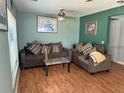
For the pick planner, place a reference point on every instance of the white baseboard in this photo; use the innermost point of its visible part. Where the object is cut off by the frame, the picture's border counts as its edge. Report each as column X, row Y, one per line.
column 17, row 81
column 119, row 62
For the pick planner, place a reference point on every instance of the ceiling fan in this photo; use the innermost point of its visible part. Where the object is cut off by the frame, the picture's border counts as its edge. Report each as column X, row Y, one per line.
column 64, row 13
column 120, row 1
column 61, row 14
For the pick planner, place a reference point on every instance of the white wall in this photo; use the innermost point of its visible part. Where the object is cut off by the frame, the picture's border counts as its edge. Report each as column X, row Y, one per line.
column 118, row 28
column 114, row 38
column 5, row 68
column 121, row 42
column 5, row 71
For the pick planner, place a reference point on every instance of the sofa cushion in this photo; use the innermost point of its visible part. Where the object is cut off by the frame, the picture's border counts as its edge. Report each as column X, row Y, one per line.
column 31, row 46
column 27, row 51
column 35, row 48
column 33, row 57
column 44, row 48
column 88, row 48
column 83, row 59
column 100, row 48
column 56, row 55
column 79, row 47
column 56, row 47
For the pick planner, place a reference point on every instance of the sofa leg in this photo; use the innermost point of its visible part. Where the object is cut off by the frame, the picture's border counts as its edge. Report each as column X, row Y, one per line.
column 46, row 71
column 92, row 73
column 43, row 68
column 68, row 67
column 63, row 65
column 22, row 67
column 107, row 70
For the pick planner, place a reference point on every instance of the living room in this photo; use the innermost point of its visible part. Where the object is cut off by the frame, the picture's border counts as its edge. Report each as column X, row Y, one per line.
column 36, row 58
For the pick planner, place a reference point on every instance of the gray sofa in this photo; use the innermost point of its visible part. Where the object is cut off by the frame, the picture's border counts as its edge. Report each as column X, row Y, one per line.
column 27, row 59
column 87, row 63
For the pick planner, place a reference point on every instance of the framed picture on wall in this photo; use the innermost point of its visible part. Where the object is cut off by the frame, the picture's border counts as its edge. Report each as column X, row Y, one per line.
column 47, row 24
column 91, row 28
column 3, row 15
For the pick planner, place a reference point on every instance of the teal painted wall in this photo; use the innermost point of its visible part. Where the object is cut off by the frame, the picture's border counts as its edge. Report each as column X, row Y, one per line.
column 68, row 31
column 102, row 19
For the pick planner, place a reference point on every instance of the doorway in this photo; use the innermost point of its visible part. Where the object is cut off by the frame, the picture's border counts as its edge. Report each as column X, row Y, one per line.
column 116, row 38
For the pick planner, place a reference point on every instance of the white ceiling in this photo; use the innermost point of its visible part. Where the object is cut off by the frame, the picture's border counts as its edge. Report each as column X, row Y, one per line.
column 77, row 7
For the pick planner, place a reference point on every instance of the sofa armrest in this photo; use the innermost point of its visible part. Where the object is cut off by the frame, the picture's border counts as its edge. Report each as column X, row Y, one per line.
column 22, row 57
column 75, row 53
column 108, row 60
column 45, row 55
column 105, row 65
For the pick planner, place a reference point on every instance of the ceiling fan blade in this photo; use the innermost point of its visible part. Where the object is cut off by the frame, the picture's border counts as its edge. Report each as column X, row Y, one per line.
column 71, row 13
column 52, row 15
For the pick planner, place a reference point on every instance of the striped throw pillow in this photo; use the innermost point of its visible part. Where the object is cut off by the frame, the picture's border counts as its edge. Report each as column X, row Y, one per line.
column 32, row 46
column 35, row 48
column 56, row 47
column 88, row 48
column 45, row 47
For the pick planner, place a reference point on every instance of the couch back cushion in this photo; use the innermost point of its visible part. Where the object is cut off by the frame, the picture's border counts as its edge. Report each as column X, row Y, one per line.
column 27, row 51
column 88, row 48
column 79, row 47
column 56, row 47
column 44, row 48
column 35, row 48
column 100, row 48
column 56, row 55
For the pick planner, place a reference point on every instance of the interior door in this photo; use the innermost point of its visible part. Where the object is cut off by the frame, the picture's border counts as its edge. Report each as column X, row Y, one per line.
column 114, row 38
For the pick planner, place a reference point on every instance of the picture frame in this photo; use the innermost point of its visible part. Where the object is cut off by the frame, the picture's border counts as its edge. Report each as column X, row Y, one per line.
column 3, row 15
column 47, row 24
column 91, row 28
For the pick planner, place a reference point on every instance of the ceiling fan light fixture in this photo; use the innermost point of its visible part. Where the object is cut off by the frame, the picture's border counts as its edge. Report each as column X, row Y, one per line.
column 120, row 1
column 34, row 0
column 89, row 0
column 61, row 15
column 60, row 18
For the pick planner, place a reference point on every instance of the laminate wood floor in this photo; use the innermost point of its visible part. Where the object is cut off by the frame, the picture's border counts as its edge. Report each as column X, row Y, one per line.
column 78, row 81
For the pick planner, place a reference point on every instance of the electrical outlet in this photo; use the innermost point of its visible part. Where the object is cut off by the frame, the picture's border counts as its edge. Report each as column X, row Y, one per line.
column 102, row 42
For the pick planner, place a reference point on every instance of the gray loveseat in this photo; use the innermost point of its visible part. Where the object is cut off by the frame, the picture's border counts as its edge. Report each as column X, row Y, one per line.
column 28, row 59
column 87, row 63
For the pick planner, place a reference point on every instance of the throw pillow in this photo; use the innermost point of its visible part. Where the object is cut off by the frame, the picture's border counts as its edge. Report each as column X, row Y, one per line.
column 56, row 47
column 32, row 46
column 35, row 48
column 88, row 48
column 44, row 48
column 27, row 51
column 79, row 47
column 100, row 48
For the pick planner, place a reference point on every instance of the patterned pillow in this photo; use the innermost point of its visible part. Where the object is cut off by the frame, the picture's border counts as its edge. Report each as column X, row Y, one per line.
column 35, row 48
column 100, row 48
column 44, row 48
column 79, row 47
column 56, row 47
column 32, row 46
column 88, row 48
